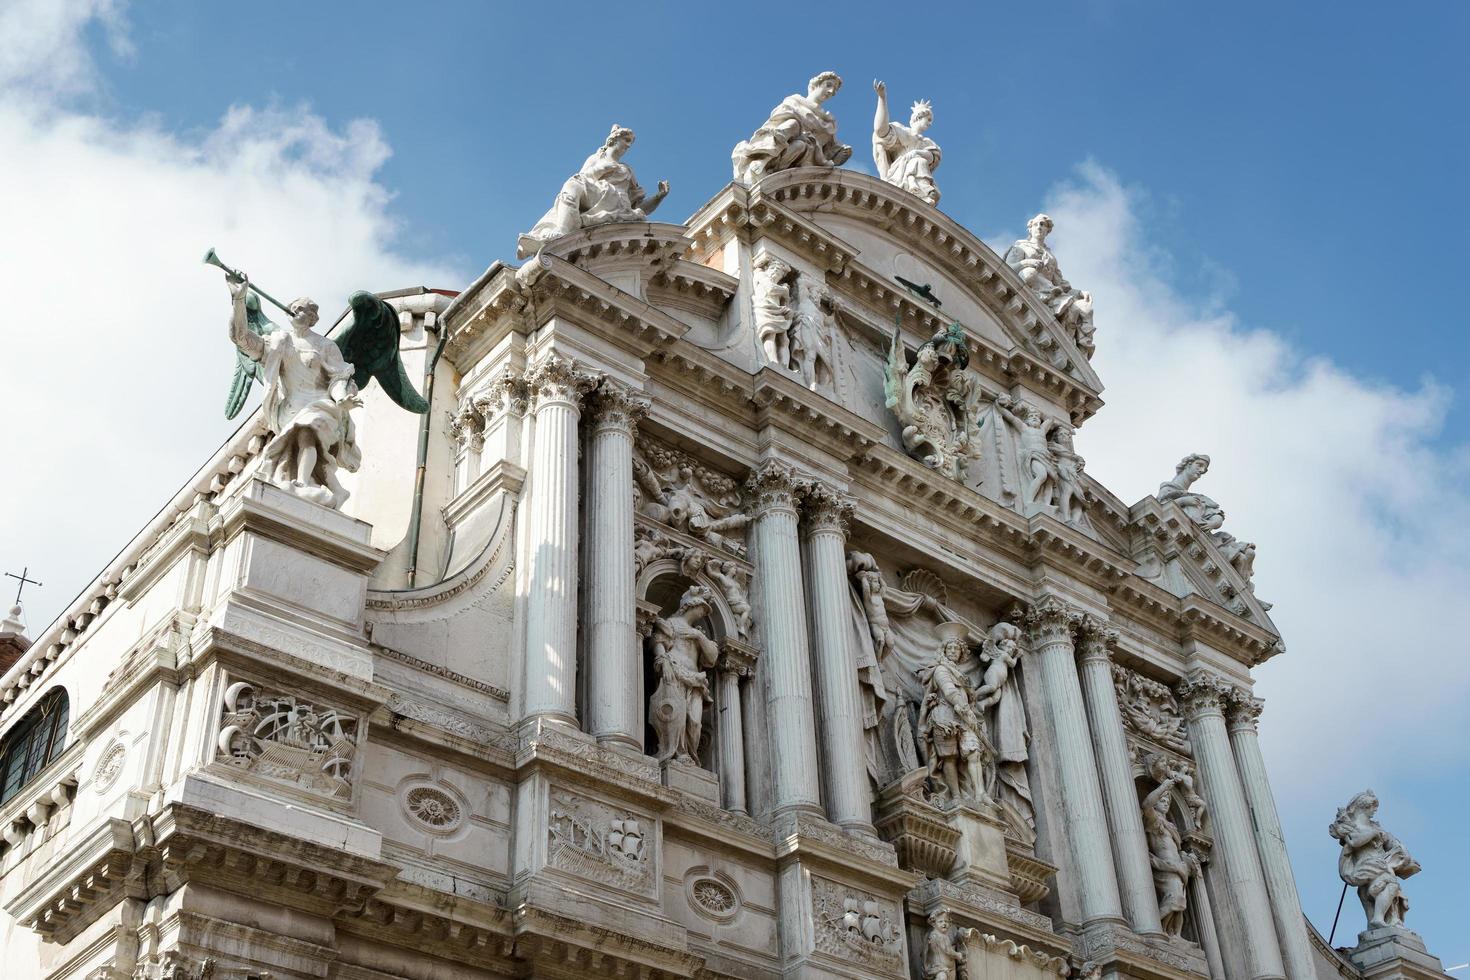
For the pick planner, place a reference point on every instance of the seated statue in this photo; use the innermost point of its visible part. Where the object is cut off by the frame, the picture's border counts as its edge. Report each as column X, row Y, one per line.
column 1196, row 506
column 602, row 192
column 905, row 157
column 1373, row 861
column 1037, row 267
column 799, row 133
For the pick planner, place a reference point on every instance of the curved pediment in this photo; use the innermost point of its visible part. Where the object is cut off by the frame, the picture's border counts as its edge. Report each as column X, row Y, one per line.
column 892, row 232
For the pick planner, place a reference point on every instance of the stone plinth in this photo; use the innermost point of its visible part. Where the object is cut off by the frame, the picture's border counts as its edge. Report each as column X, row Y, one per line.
column 690, row 779
column 1393, row 952
column 926, row 842
column 982, row 846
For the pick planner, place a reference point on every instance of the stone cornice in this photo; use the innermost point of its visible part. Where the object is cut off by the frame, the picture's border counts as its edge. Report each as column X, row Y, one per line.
column 745, row 214
column 694, row 287
column 781, row 402
column 646, row 243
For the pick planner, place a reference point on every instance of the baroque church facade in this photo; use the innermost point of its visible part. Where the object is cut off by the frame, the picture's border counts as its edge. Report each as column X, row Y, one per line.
column 739, row 608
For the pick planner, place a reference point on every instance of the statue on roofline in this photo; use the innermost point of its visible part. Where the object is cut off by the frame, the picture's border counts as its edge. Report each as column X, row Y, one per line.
column 1373, row 861
column 312, row 383
column 1038, row 269
column 798, row 133
column 904, row 156
column 602, row 192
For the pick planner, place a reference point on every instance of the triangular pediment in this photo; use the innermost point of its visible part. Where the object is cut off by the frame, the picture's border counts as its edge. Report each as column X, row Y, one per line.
column 1186, row 561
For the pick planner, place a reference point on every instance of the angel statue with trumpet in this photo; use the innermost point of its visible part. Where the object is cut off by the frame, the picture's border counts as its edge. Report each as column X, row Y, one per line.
column 312, row 383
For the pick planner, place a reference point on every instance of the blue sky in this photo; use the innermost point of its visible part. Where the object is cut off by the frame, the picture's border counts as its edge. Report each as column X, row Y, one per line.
column 1267, row 200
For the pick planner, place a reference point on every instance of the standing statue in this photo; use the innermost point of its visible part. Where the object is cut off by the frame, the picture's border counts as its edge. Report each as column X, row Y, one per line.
column 811, row 333
column 312, row 383
column 960, row 758
column 1038, row 466
column 905, row 157
column 936, row 401
column 602, row 192
column 798, row 133
column 732, row 582
column 772, row 299
column 944, row 952
column 1373, row 861
column 1072, row 496
column 1165, row 849
column 1009, row 734
column 1037, row 267
column 681, row 655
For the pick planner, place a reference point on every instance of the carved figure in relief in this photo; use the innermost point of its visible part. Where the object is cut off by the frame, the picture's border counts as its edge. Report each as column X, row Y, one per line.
column 1009, row 734
column 1373, row 861
column 904, row 156
column 676, row 491
column 936, row 401
column 1165, row 769
column 960, row 757
column 798, row 133
column 771, row 291
column 283, row 737
column 681, row 655
column 1034, row 451
column 602, row 192
column 1240, row 554
column 1038, row 269
column 732, row 582
column 1165, row 847
column 1072, row 496
column 944, row 950
column 811, row 333
column 1149, row 708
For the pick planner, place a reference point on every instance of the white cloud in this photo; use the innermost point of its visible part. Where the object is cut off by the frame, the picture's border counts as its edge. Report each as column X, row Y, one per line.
column 116, row 361
column 45, row 52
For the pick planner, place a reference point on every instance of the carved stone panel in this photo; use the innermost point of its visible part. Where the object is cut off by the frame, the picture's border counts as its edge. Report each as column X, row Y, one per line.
column 601, row 842
column 857, row 926
column 1150, row 709
column 288, row 739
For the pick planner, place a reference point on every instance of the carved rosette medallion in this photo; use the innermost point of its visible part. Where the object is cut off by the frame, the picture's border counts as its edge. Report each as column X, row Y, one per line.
column 109, row 767
column 1243, row 712
column 598, row 841
column 433, row 807
column 560, row 380
column 1203, row 693
column 826, row 510
column 713, row 895
column 287, row 739
column 857, row 926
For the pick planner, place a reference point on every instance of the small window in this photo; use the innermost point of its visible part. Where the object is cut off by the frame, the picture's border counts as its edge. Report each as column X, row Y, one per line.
column 33, row 743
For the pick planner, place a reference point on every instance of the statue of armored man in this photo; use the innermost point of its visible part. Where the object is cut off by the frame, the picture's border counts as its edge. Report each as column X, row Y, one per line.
column 681, row 655
column 957, row 750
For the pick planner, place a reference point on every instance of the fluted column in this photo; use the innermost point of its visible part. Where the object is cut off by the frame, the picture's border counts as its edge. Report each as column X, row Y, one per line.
column 1115, row 771
column 1286, row 907
column 839, row 702
column 1204, row 915
column 614, row 666
column 781, row 623
column 734, row 665
column 1085, row 827
column 550, row 677
column 1253, row 944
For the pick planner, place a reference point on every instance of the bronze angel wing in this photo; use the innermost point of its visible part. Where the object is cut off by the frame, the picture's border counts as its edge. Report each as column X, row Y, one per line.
column 247, row 371
column 370, row 345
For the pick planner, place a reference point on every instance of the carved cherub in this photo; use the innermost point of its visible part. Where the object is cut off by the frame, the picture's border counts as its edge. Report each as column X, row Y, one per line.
column 944, row 953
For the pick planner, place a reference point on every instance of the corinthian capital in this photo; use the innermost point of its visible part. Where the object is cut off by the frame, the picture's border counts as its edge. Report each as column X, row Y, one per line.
column 506, row 392
column 1243, row 710
column 825, row 509
column 773, row 486
column 1051, row 620
column 618, row 407
column 1203, row 693
column 561, row 379
column 1096, row 638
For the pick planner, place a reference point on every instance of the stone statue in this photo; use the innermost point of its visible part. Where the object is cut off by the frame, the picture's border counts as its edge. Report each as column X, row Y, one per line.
column 1240, row 554
column 944, row 950
column 1009, row 734
column 863, row 569
column 312, row 384
column 1037, row 267
column 811, row 333
column 798, row 133
column 732, row 582
column 1072, row 496
column 904, row 156
column 602, row 192
column 773, row 314
column 1163, row 768
column 1034, row 452
column 936, row 401
column 959, row 755
column 681, row 655
column 1373, row 861
column 1196, row 506
column 1165, row 849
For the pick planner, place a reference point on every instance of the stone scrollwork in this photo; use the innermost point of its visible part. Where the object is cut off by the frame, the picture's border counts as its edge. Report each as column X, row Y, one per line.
column 674, row 489
column 857, row 926
column 798, row 133
column 594, row 840
column 1150, row 709
column 936, row 401
column 1037, row 267
column 283, row 737
column 1373, row 861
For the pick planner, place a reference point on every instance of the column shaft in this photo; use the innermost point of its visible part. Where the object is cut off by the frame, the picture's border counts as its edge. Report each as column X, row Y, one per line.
column 1286, row 907
column 1204, row 920
column 781, row 622
column 1236, row 860
column 1085, row 826
column 614, row 668
column 551, row 529
column 732, row 740
column 844, row 763
column 1130, row 845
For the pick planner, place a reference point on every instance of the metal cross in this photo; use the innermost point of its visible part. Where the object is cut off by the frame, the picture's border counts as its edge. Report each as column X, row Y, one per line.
column 24, row 581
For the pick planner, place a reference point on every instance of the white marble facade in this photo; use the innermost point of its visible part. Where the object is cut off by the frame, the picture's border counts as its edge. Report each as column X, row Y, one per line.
column 756, row 619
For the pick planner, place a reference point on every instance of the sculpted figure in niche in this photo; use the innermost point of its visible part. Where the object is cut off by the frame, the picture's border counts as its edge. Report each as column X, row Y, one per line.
column 1037, row 267
column 798, row 133
column 1373, row 861
column 1034, row 452
column 1165, row 769
column 936, row 401
column 1009, row 734
column 681, row 655
column 944, row 951
column 1171, row 868
column 732, row 581
column 904, row 156
column 1071, row 498
column 811, row 333
column 602, row 192
column 773, row 314
column 959, row 755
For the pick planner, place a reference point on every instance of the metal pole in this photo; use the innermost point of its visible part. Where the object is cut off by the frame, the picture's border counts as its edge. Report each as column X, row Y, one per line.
column 1340, row 898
